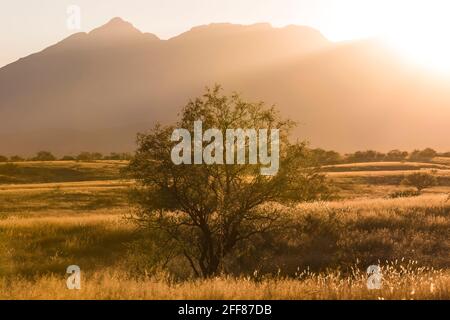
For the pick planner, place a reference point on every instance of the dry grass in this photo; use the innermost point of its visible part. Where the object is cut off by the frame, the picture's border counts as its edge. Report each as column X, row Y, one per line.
column 82, row 185
column 442, row 160
column 387, row 166
column 100, row 217
column 425, row 201
column 46, row 227
column 378, row 180
column 399, row 282
column 59, row 171
column 38, row 248
column 383, row 173
column 72, row 163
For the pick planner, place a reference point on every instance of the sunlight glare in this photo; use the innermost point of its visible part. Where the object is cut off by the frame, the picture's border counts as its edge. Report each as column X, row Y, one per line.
column 420, row 31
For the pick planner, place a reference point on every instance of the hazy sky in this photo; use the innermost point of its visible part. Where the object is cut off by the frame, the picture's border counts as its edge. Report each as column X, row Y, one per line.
column 27, row 26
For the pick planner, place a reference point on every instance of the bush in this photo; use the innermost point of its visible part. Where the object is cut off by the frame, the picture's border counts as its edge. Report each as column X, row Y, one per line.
column 396, row 155
column 420, row 180
column 366, row 156
column 17, row 159
column 423, row 155
column 88, row 156
column 118, row 156
column 44, row 156
column 326, row 157
column 68, row 158
column 404, row 194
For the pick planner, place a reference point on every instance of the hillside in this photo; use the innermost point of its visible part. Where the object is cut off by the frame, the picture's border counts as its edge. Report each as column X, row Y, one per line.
column 93, row 91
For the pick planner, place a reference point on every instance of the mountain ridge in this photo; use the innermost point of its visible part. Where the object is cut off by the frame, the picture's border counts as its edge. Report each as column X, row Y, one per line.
column 119, row 77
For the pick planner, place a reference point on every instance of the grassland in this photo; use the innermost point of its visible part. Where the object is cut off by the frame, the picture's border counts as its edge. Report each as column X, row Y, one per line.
column 48, row 222
column 404, row 284
column 59, row 171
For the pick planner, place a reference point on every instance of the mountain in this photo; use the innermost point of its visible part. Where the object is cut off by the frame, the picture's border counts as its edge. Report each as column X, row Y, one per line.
column 93, row 91
column 359, row 96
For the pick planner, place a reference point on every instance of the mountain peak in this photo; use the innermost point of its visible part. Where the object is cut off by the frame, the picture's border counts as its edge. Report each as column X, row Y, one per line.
column 117, row 20
column 116, row 26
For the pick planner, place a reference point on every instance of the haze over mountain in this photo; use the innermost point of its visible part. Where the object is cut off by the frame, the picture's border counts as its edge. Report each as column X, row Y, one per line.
column 94, row 91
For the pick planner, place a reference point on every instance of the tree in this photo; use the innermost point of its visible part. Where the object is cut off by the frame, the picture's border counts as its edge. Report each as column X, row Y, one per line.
column 16, row 159
column 118, row 156
column 67, row 158
column 420, row 180
column 325, row 157
column 428, row 153
column 96, row 156
column 44, row 156
column 396, row 155
column 366, row 156
column 88, row 156
column 423, row 155
column 84, row 156
column 204, row 211
column 3, row 158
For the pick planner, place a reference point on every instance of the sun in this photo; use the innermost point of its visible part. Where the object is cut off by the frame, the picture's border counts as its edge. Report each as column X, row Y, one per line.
column 429, row 49
column 426, row 46
column 420, row 32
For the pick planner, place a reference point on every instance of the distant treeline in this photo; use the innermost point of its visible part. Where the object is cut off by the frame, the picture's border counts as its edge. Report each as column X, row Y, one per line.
column 329, row 157
column 83, row 156
column 321, row 156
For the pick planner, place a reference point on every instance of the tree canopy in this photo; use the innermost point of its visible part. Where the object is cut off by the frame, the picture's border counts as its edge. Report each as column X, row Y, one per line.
column 202, row 211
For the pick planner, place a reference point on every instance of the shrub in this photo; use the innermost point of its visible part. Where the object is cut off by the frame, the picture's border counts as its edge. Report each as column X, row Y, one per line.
column 396, row 155
column 44, row 156
column 366, row 156
column 17, row 159
column 404, row 194
column 420, row 180
column 423, row 155
column 67, row 158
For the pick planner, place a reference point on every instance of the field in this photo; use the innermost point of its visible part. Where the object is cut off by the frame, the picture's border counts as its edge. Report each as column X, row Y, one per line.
column 54, row 214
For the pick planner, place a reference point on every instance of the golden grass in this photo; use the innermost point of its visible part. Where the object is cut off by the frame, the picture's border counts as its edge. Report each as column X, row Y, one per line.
column 442, row 160
column 381, row 173
column 439, row 164
column 72, row 163
column 82, row 185
column 47, row 226
column 380, row 204
column 59, row 171
column 100, row 217
column 399, row 282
